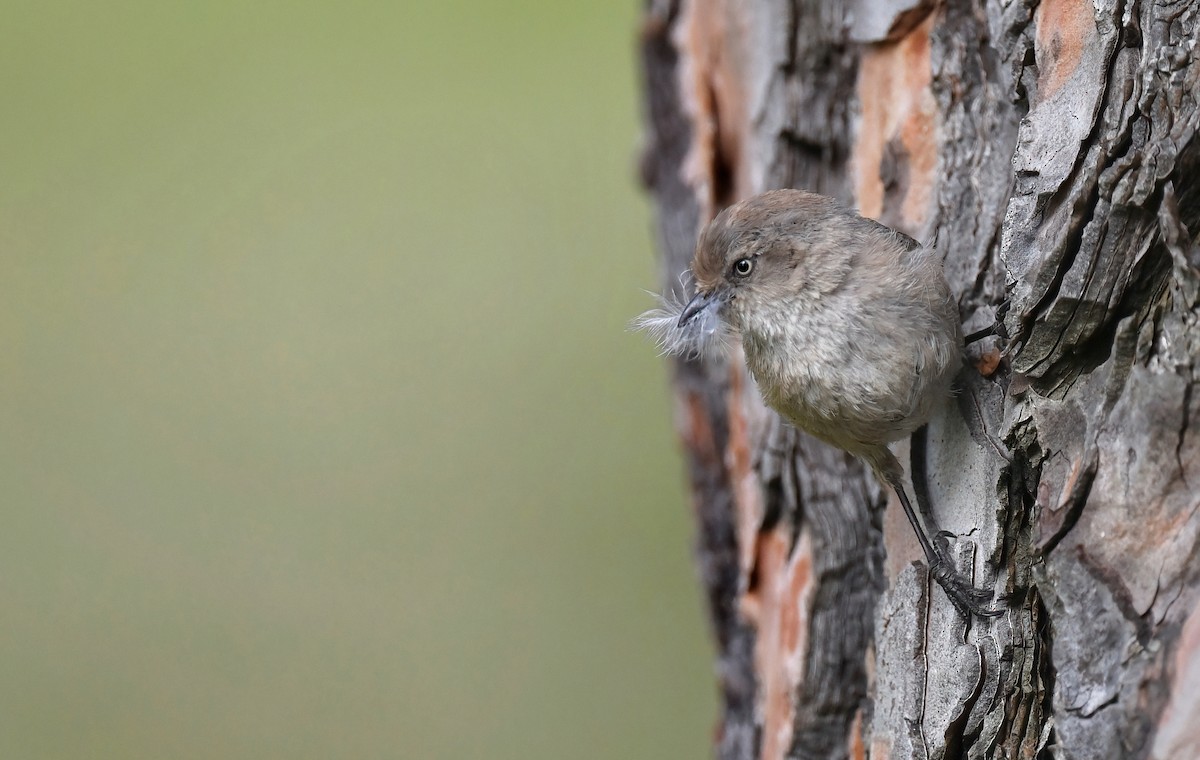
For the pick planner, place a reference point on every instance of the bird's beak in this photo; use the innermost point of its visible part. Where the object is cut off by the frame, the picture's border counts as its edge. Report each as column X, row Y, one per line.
column 699, row 303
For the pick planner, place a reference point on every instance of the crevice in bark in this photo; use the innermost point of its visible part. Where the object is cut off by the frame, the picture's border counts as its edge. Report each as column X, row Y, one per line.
column 722, row 171
column 1041, row 316
column 1040, row 624
column 847, row 584
column 1075, row 502
column 1184, row 429
column 959, row 736
column 792, row 24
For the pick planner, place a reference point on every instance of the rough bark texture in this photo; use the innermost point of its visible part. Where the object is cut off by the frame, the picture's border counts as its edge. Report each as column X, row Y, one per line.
column 1049, row 150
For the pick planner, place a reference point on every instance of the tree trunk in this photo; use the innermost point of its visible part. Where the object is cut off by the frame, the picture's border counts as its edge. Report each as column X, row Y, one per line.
column 1049, row 151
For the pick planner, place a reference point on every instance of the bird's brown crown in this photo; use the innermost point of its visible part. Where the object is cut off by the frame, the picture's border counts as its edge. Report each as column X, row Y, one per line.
column 751, row 228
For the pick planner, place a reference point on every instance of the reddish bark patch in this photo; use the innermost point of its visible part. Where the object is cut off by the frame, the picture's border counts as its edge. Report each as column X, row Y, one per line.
column 881, row 749
column 858, row 750
column 896, row 148
column 1064, row 29
column 739, row 461
column 1178, row 733
column 781, row 602
column 711, row 47
column 696, row 430
column 988, row 362
column 1054, row 510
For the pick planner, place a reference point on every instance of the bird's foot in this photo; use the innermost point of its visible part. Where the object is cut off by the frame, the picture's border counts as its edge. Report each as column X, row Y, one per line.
column 963, row 595
column 997, row 328
column 942, row 539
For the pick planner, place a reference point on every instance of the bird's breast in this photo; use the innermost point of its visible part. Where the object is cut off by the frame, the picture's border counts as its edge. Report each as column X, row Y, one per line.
column 847, row 385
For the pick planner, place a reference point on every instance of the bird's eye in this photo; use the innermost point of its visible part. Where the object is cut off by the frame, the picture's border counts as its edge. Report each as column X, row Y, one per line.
column 743, row 267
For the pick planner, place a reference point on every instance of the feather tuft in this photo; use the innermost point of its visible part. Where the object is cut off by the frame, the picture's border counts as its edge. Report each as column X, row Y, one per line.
column 706, row 335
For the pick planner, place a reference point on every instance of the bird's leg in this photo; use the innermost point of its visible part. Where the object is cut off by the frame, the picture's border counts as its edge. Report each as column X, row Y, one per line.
column 963, row 594
column 996, row 328
column 918, row 469
column 987, row 332
column 965, row 597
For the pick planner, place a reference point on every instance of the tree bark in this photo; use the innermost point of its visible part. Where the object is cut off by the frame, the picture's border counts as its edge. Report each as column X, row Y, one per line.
column 1049, row 151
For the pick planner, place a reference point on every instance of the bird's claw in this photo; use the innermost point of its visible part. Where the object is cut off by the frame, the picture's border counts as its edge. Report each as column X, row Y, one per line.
column 965, row 597
column 942, row 537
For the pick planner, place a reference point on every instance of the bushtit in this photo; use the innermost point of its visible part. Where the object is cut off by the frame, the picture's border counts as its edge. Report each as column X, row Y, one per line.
column 848, row 328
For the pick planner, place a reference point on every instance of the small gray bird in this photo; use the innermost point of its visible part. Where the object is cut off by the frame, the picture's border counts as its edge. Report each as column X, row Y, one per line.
column 848, row 328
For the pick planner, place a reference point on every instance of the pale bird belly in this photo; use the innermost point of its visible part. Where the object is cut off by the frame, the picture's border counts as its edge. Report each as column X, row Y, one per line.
column 855, row 415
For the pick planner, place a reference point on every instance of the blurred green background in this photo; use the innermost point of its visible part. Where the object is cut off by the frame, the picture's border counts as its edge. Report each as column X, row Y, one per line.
column 321, row 434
